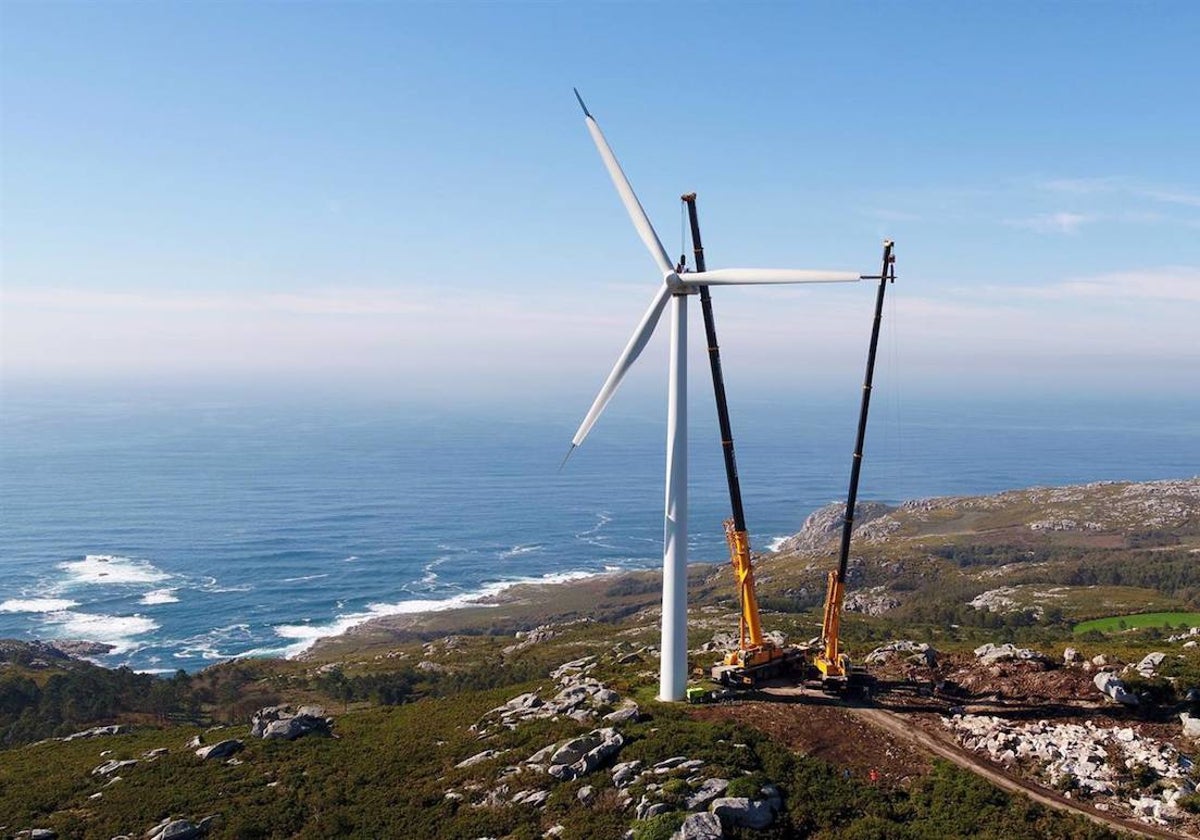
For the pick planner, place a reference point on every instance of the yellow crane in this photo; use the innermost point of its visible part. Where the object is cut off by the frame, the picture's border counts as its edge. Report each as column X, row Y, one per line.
column 756, row 657
column 832, row 664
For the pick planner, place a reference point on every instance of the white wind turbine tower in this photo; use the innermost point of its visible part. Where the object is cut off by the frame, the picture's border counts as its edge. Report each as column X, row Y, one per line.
column 675, row 288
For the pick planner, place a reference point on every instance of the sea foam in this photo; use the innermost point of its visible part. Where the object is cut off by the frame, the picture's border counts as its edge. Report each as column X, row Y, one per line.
column 304, row 636
column 37, row 605
column 111, row 569
column 159, row 596
column 116, row 630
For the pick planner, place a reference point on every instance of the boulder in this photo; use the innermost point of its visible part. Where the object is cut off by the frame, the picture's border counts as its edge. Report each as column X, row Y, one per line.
column 1148, row 667
column 743, row 812
column 95, row 732
column 919, row 653
column 1112, row 687
column 110, row 767
column 179, row 830
column 1071, row 656
column 477, row 758
column 700, row 827
column 221, row 749
column 707, row 792
column 629, row 713
column 624, row 773
column 273, row 722
column 1191, row 725
column 990, row 654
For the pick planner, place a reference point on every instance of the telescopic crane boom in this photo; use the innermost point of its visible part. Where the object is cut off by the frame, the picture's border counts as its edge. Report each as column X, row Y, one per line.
column 831, row 662
column 756, row 656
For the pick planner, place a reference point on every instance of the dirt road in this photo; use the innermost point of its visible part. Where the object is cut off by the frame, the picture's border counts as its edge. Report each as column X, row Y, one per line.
column 898, row 726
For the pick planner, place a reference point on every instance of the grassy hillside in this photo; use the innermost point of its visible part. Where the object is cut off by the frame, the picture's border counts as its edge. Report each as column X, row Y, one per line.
column 410, row 697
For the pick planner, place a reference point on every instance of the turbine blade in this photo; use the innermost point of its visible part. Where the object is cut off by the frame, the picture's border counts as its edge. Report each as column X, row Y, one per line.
column 756, row 276
column 628, row 356
column 634, row 207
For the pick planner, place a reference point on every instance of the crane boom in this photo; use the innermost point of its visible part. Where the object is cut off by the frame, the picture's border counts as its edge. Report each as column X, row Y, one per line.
column 831, row 662
column 754, row 650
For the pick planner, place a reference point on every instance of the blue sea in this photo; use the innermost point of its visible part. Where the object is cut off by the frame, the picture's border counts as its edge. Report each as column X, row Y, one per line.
column 187, row 531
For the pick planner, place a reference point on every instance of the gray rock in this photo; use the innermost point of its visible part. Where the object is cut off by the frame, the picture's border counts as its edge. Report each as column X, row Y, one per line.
column 536, row 798
column 743, row 812
column 586, row 794
column 221, row 749
column 669, row 764
column 36, row 834
column 1112, row 686
column 477, row 758
column 179, row 830
column 1191, row 725
column 710, row 790
column 110, row 767
column 1148, row 667
column 628, row 713
column 700, row 827
column 94, row 732
column 624, row 773
column 279, row 722
column 1071, row 656
column 575, row 749
column 990, row 654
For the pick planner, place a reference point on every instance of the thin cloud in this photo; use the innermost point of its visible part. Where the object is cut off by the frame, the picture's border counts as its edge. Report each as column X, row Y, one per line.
column 1065, row 223
column 1124, row 186
column 1180, row 284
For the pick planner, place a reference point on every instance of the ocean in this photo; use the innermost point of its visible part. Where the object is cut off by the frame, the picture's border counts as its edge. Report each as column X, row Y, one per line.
column 189, row 531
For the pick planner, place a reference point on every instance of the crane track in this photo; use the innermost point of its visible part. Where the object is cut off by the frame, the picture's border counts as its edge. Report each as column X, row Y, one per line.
column 897, row 725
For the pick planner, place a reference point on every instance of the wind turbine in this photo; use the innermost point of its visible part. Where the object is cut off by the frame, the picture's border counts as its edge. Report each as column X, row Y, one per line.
column 675, row 288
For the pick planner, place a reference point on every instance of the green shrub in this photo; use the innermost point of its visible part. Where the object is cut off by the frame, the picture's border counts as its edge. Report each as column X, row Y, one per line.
column 658, row 828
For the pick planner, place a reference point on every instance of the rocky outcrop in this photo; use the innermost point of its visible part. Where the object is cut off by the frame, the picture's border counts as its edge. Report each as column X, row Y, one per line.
column 179, row 829
column 583, row 755
column 95, row 732
column 526, row 640
column 916, row 653
column 825, row 524
column 1094, row 759
column 704, row 826
column 874, row 600
column 1111, row 686
column 580, row 697
column 990, row 654
column 110, row 767
column 1148, row 667
column 279, row 722
column 221, row 749
column 743, row 812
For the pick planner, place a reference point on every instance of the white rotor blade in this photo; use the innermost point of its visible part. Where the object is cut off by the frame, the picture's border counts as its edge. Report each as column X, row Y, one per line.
column 628, row 198
column 632, row 350
column 755, row 276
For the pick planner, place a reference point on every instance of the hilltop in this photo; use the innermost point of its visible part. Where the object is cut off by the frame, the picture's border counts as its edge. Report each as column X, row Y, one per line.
column 534, row 715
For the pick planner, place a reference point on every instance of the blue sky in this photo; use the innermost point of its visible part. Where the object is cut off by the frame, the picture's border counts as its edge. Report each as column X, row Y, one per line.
column 404, row 197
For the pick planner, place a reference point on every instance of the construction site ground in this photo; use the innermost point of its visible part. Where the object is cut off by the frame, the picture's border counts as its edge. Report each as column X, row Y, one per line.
column 895, row 734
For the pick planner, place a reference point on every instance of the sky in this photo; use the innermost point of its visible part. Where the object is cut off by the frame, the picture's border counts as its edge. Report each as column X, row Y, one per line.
column 403, row 198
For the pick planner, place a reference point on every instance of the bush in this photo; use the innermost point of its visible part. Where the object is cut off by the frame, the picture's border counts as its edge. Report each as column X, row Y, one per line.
column 658, row 828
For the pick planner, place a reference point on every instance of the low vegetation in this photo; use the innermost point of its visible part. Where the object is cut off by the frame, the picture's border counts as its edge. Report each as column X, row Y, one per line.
column 405, row 696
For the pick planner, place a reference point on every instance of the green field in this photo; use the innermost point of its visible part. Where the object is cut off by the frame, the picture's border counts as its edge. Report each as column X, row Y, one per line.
column 1114, row 623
